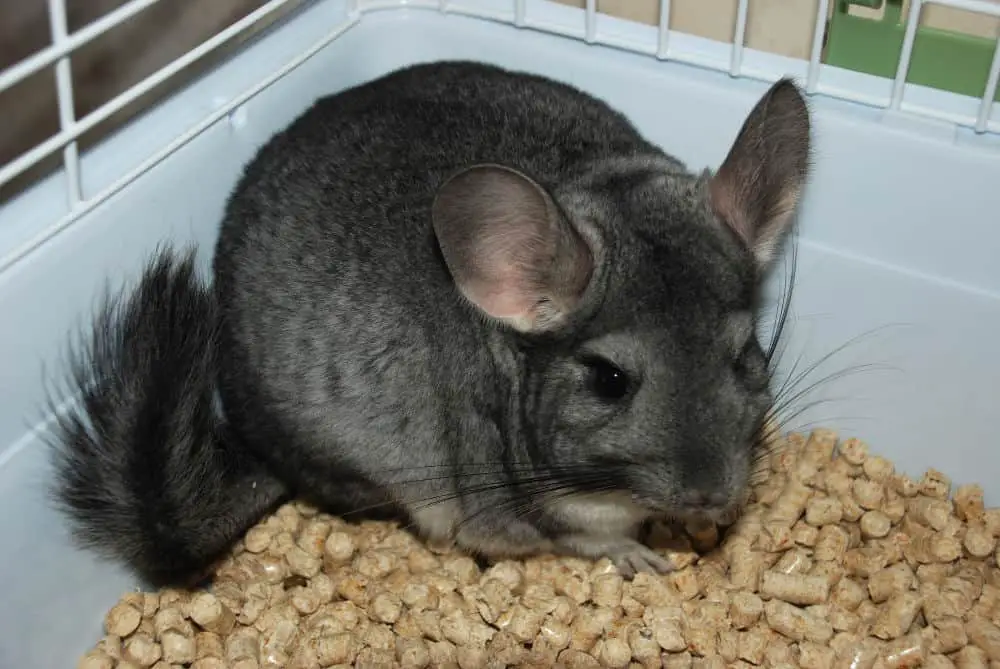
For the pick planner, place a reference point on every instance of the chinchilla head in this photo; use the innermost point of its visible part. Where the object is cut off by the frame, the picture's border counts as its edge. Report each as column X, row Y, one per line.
column 628, row 291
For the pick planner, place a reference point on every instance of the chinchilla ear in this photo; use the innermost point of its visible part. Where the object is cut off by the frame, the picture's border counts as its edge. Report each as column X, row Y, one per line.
column 758, row 186
column 509, row 250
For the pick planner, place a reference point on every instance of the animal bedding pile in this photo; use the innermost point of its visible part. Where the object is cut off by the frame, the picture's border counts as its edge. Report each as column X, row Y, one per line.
column 838, row 561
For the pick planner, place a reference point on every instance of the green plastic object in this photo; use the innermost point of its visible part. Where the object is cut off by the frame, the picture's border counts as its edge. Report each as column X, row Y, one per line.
column 942, row 59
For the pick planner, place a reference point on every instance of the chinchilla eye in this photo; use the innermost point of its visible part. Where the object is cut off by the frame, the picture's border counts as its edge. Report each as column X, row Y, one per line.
column 607, row 381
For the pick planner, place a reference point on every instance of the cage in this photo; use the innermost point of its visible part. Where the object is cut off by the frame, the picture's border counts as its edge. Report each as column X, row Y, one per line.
column 896, row 275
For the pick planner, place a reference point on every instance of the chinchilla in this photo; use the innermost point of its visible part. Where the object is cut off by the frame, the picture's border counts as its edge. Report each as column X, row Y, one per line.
column 474, row 297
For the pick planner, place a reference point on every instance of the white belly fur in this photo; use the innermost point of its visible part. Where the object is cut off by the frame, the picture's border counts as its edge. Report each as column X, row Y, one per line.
column 611, row 513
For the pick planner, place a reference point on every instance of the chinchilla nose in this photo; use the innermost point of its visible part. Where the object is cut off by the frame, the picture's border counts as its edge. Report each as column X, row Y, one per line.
column 704, row 499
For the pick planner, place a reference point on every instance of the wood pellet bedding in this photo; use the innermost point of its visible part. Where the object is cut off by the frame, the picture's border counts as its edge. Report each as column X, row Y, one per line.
column 837, row 561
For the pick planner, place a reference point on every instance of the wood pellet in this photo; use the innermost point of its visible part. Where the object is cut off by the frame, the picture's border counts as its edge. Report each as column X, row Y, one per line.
column 837, row 561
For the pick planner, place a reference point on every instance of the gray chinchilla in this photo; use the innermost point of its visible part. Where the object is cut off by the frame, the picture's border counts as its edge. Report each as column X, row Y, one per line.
column 475, row 297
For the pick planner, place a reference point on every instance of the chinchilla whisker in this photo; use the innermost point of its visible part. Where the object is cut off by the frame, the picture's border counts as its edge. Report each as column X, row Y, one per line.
column 425, row 502
column 758, row 471
column 761, row 450
column 853, row 369
column 824, row 418
column 519, row 505
column 447, row 465
column 773, row 370
column 766, row 445
column 536, row 495
column 780, row 349
column 776, row 337
column 467, row 491
column 507, row 504
column 758, row 476
column 499, row 470
column 785, row 301
column 762, row 462
column 766, row 430
column 535, row 485
column 765, row 437
column 512, row 503
column 510, row 468
column 599, row 483
column 827, row 421
column 451, row 465
column 787, row 425
column 531, row 504
column 792, row 379
column 785, row 411
column 789, row 413
column 792, row 375
column 794, row 394
column 784, row 420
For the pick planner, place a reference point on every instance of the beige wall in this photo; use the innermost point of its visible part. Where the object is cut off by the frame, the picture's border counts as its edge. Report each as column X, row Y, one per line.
column 778, row 26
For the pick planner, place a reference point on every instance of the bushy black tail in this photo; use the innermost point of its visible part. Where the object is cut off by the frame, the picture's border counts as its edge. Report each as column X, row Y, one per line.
column 145, row 471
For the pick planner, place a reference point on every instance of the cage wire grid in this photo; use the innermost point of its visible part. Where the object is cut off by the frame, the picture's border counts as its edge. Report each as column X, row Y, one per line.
column 517, row 13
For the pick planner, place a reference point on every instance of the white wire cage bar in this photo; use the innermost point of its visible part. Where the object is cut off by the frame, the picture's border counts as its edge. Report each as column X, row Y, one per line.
column 909, row 40
column 16, row 73
column 816, row 48
column 519, row 13
column 739, row 38
column 663, row 34
column 64, row 98
column 990, row 94
column 980, row 122
column 77, row 128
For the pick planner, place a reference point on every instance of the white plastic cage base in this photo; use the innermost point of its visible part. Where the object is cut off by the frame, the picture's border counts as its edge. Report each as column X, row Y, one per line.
column 898, row 241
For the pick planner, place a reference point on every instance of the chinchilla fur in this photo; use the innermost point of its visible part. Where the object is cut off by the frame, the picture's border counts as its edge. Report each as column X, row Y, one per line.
column 473, row 297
